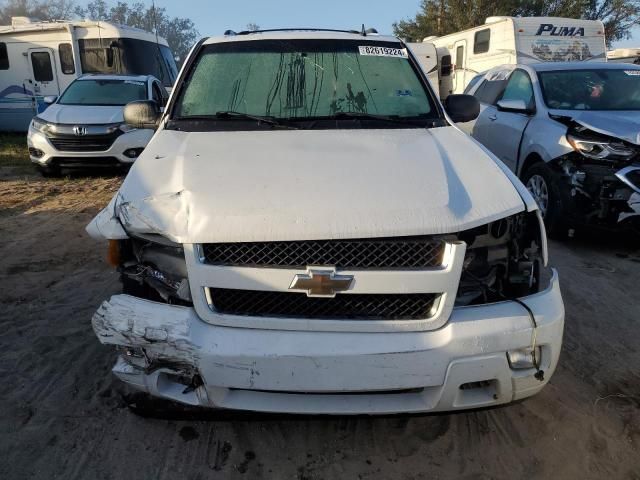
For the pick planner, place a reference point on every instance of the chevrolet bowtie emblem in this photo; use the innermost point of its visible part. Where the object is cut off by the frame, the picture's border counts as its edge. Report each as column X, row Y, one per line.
column 321, row 283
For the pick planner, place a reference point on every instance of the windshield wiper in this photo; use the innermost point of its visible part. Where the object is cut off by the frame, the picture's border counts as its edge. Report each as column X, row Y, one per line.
column 414, row 121
column 246, row 116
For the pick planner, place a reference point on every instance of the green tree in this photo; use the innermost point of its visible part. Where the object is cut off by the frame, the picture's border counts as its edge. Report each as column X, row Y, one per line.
column 441, row 17
column 40, row 9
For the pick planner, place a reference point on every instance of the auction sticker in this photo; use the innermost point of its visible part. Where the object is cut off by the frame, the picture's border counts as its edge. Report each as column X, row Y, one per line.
column 383, row 51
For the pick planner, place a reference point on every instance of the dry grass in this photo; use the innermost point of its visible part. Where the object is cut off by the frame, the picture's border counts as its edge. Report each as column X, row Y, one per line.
column 13, row 151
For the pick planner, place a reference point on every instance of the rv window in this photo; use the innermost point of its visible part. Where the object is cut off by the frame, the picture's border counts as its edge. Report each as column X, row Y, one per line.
column 445, row 69
column 66, row 59
column 481, row 41
column 42, row 71
column 4, row 57
column 459, row 57
column 127, row 56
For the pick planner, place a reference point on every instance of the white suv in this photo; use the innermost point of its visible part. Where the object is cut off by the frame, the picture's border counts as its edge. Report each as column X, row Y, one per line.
column 307, row 232
column 85, row 126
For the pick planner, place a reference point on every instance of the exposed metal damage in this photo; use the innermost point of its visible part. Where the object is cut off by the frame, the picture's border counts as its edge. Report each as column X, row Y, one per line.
column 602, row 177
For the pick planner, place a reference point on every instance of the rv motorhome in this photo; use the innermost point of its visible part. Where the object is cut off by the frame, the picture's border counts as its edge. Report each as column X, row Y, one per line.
column 517, row 40
column 624, row 55
column 40, row 59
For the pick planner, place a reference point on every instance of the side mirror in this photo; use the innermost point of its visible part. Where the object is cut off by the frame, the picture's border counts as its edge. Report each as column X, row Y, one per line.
column 142, row 114
column 462, row 108
column 50, row 99
column 514, row 106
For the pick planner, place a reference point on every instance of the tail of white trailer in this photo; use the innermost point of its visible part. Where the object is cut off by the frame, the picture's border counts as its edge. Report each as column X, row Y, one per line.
column 552, row 39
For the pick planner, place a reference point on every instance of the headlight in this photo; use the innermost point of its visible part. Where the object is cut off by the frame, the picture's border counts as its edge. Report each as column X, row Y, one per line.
column 154, row 268
column 599, row 149
column 40, row 125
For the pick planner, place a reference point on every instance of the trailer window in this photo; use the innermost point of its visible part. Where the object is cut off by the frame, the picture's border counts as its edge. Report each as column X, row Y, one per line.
column 66, row 59
column 4, row 57
column 459, row 57
column 481, row 41
column 445, row 69
column 42, row 71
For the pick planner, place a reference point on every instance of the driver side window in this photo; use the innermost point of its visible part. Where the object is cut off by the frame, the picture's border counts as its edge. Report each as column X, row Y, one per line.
column 519, row 87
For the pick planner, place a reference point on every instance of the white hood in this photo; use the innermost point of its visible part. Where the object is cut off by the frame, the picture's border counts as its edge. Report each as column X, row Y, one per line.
column 309, row 184
column 83, row 114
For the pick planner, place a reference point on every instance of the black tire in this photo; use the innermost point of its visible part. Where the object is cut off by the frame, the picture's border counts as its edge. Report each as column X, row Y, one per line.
column 48, row 172
column 553, row 212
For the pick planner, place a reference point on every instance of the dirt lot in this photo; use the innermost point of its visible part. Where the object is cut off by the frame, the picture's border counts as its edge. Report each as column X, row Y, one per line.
column 61, row 414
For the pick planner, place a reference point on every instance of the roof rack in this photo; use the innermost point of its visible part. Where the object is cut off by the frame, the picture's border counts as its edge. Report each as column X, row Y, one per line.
column 362, row 32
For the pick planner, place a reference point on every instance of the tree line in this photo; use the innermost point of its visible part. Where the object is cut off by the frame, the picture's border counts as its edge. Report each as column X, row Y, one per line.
column 441, row 17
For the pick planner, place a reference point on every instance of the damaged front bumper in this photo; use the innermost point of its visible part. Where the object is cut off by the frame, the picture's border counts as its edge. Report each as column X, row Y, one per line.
column 461, row 365
column 601, row 195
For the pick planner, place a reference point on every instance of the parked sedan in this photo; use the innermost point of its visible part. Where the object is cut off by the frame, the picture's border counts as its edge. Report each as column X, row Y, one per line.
column 570, row 132
column 85, row 126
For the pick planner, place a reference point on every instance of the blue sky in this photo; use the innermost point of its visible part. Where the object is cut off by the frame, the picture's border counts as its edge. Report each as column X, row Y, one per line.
column 213, row 17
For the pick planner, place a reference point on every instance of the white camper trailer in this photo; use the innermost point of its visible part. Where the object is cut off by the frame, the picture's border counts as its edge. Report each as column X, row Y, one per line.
column 436, row 64
column 517, row 40
column 624, row 55
column 40, row 59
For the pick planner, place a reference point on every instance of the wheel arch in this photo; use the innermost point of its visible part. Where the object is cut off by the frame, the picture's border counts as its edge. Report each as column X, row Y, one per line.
column 531, row 160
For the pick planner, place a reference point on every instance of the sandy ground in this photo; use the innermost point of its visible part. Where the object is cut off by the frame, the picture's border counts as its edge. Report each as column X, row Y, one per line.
column 62, row 415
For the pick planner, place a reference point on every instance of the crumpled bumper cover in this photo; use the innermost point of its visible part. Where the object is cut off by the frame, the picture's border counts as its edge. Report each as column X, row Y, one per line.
column 334, row 372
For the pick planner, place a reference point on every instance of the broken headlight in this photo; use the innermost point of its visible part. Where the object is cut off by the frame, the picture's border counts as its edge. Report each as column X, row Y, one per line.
column 597, row 148
column 154, row 268
column 504, row 260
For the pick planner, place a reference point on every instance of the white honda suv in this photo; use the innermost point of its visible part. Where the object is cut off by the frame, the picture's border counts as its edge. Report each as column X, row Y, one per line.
column 308, row 232
column 85, row 126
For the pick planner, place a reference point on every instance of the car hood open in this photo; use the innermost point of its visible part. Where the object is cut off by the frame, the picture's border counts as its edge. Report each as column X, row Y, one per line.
column 308, row 184
column 83, row 114
column 624, row 125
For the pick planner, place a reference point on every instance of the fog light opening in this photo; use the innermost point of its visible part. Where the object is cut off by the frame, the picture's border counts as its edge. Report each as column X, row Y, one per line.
column 135, row 356
column 133, row 152
column 524, row 358
column 36, row 152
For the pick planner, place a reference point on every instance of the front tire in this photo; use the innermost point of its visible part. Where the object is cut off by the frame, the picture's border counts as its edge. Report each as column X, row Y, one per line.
column 542, row 183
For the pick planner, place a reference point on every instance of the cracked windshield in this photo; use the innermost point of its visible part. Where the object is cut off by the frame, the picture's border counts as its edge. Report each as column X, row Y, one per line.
column 305, row 79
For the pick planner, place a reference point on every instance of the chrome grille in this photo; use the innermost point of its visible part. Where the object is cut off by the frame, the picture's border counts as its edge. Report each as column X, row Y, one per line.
column 400, row 252
column 87, row 143
column 411, row 306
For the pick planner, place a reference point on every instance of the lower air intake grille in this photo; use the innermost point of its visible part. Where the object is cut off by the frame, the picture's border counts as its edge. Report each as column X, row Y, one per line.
column 413, row 306
column 400, row 252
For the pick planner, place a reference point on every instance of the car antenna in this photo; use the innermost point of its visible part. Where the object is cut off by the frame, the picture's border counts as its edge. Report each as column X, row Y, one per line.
column 363, row 32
